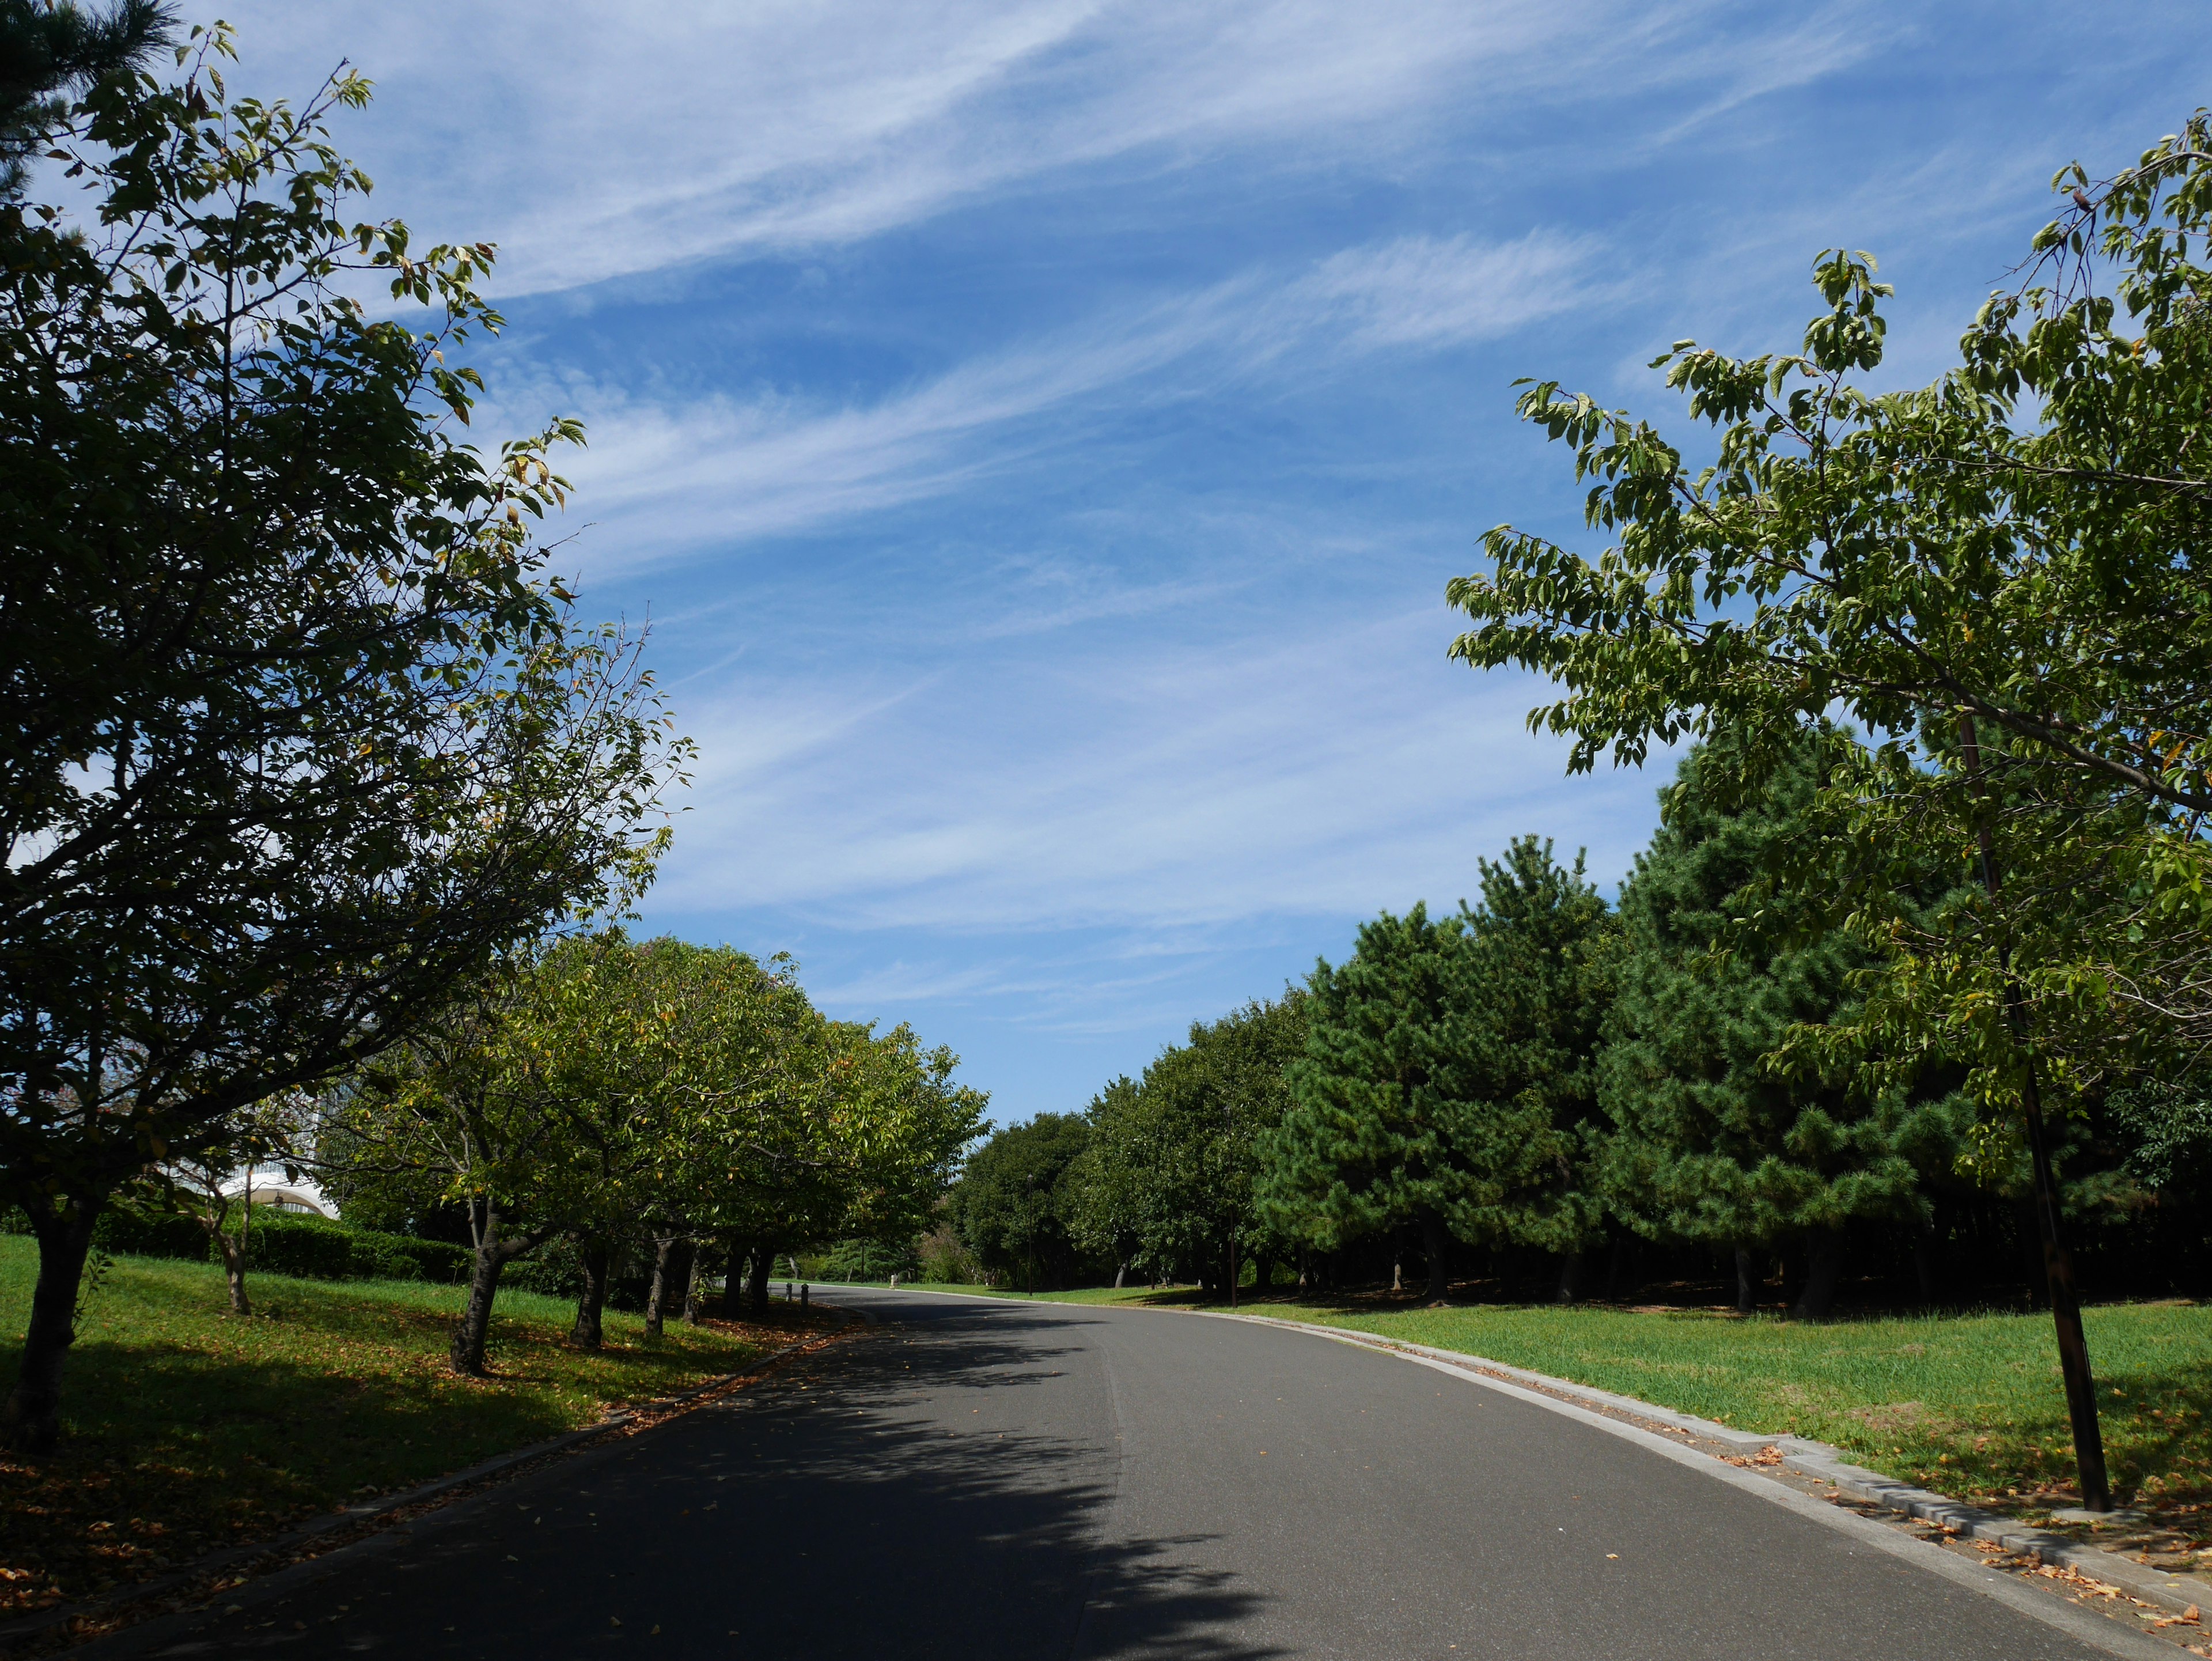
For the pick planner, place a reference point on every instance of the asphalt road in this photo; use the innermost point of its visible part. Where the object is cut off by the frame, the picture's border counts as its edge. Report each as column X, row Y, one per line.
column 987, row 1479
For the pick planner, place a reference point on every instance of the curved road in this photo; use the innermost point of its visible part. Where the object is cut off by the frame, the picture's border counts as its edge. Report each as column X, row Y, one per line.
column 986, row 1479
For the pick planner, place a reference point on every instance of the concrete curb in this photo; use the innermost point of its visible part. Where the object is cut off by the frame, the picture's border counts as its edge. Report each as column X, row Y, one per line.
column 15, row 1634
column 2176, row 1592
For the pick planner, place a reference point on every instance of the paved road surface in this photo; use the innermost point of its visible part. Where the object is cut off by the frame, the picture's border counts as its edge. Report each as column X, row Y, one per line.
column 993, row 1479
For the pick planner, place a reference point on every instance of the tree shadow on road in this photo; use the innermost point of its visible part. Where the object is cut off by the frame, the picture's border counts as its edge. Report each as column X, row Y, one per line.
column 840, row 1509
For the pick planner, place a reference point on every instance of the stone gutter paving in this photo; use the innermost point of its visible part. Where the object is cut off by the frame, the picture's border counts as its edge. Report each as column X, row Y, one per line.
column 2116, row 1577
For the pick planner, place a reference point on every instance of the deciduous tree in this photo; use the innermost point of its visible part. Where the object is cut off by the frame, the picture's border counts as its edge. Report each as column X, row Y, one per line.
column 296, row 734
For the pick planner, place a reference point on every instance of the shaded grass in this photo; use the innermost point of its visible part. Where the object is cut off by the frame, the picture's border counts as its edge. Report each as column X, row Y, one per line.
column 1970, row 1405
column 185, row 1427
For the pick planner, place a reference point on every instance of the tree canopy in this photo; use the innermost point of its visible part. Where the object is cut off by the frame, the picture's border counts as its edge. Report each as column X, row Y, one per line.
column 298, row 733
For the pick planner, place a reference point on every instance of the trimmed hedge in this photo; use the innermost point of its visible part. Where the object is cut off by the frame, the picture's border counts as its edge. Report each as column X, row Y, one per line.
column 286, row 1243
column 150, row 1233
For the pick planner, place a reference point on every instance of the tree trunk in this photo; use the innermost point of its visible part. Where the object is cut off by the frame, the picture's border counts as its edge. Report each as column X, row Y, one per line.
column 493, row 1253
column 669, row 1269
column 466, row 1354
column 1571, row 1276
column 1746, row 1281
column 2057, row 1262
column 695, row 1260
column 1397, row 1269
column 734, row 1283
column 1924, row 1270
column 1434, row 1243
column 763, row 1263
column 233, row 1269
column 32, row 1415
column 1120, row 1273
column 1824, row 1263
column 1616, row 1261
column 589, row 1332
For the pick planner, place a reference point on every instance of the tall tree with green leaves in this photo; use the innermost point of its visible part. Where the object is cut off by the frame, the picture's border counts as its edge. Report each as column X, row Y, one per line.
column 1538, row 985
column 2000, row 578
column 1713, row 1142
column 297, row 731
column 1017, row 1200
column 1370, row 1138
column 1170, row 1175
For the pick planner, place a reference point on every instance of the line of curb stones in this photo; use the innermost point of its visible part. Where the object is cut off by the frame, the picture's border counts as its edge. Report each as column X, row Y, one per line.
column 2174, row 1592
column 17, row 1634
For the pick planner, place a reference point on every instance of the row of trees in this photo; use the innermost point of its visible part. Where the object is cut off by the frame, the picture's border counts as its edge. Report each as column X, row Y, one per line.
column 316, row 795
column 1538, row 1072
column 659, row 1098
column 1848, row 972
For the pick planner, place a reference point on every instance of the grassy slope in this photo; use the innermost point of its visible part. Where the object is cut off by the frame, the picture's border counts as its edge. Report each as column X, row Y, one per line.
column 187, row 1429
column 1970, row 1405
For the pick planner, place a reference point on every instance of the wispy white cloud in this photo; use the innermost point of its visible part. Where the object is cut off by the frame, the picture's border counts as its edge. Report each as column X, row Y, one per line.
column 672, row 476
column 1425, row 291
column 595, row 142
column 1327, row 773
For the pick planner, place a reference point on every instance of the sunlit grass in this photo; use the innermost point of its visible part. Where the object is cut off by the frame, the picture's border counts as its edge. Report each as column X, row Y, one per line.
column 1971, row 1405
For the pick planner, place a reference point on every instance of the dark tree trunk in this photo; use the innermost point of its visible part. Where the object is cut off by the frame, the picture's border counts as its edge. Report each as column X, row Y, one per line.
column 1924, row 1270
column 763, row 1261
column 2058, row 1261
column 672, row 1268
column 1434, row 1243
column 695, row 1260
column 32, row 1415
column 495, row 1252
column 734, row 1283
column 1823, row 1264
column 1616, row 1264
column 1571, row 1276
column 589, row 1332
column 1746, row 1281
column 1263, row 1274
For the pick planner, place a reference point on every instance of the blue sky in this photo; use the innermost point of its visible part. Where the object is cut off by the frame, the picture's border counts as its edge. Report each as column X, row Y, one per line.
column 1040, row 434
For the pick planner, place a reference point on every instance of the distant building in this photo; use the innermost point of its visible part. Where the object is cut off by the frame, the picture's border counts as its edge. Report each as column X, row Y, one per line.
column 267, row 1186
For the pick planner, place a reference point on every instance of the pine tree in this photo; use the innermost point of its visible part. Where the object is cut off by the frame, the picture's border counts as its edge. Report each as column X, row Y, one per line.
column 49, row 48
column 1369, row 1142
column 1709, row 1142
column 1538, row 989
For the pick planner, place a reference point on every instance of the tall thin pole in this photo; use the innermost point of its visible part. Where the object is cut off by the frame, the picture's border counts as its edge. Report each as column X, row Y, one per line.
column 2057, row 1262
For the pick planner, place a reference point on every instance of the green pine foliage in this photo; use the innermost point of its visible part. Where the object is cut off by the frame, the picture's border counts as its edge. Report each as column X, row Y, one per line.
column 1371, row 1141
column 1538, row 986
column 1711, row 1142
column 1448, row 1082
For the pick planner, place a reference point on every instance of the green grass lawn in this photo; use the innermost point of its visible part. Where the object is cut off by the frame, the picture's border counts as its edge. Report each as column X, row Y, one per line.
column 187, row 1428
column 1970, row 1405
